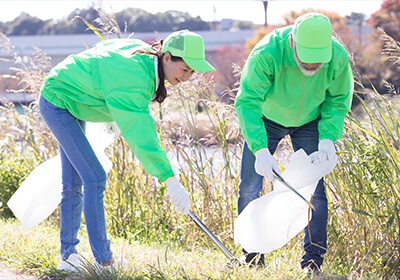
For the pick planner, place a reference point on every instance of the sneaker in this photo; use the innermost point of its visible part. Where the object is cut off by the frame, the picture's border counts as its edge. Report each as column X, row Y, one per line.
column 72, row 264
column 312, row 271
column 101, row 268
column 112, row 267
column 252, row 260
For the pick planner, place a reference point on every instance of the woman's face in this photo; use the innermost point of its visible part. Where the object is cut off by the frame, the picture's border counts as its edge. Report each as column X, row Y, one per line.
column 176, row 71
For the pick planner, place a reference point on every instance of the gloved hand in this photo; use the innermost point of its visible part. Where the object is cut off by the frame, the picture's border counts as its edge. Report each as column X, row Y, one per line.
column 326, row 151
column 179, row 196
column 265, row 163
column 111, row 127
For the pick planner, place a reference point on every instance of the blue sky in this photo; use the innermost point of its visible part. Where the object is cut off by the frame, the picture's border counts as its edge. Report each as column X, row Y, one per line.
column 251, row 10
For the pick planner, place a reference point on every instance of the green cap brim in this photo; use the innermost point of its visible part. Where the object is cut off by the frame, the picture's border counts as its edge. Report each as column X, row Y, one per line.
column 199, row 65
column 314, row 55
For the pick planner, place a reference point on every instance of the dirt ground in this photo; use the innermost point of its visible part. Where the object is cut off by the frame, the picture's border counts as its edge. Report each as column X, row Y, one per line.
column 8, row 274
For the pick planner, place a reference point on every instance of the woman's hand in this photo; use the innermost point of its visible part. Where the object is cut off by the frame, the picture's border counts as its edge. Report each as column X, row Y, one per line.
column 179, row 196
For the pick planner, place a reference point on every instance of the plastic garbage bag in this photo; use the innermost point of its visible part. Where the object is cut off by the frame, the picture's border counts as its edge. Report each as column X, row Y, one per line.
column 269, row 222
column 40, row 193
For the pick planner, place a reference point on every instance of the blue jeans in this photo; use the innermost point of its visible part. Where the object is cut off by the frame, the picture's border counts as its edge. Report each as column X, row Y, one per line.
column 80, row 166
column 250, row 185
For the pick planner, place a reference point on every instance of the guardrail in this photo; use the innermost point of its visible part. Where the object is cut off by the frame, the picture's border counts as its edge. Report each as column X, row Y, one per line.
column 18, row 97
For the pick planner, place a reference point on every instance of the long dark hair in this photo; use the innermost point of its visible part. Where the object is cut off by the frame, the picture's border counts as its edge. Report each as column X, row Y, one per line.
column 161, row 91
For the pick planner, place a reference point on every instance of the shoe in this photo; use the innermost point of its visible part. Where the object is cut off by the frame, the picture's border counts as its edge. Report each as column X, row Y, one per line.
column 312, row 270
column 101, row 268
column 111, row 268
column 252, row 260
column 72, row 264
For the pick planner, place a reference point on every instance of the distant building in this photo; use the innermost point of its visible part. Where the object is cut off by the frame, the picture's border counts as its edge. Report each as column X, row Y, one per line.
column 228, row 24
column 60, row 46
column 361, row 32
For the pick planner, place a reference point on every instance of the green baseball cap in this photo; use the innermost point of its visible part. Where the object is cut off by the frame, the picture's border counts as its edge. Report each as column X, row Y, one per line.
column 312, row 33
column 190, row 47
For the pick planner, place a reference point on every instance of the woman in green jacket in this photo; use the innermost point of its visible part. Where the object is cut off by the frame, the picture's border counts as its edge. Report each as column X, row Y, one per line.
column 114, row 81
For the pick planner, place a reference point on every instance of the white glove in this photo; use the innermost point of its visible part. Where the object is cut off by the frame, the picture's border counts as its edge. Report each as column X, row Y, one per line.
column 326, row 151
column 112, row 128
column 265, row 163
column 179, row 196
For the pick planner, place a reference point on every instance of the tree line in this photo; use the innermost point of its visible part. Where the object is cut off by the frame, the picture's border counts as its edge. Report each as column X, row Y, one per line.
column 129, row 20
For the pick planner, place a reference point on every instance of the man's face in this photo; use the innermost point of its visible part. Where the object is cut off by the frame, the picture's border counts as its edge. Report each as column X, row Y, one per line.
column 308, row 69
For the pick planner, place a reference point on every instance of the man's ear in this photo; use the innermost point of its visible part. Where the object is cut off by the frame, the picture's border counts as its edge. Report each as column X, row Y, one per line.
column 291, row 40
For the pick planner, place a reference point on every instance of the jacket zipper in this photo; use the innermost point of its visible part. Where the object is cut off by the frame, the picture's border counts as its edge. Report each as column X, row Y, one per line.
column 301, row 101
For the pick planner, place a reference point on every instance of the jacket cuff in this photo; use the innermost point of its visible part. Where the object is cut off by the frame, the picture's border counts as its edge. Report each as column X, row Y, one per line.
column 257, row 148
column 330, row 137
column 168, row 178
column 164, row 177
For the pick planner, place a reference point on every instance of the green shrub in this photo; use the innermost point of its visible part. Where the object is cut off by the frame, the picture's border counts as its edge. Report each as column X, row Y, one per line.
column 12, row 172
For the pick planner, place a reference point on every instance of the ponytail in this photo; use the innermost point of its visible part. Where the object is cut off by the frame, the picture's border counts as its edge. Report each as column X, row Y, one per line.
column 161, row 91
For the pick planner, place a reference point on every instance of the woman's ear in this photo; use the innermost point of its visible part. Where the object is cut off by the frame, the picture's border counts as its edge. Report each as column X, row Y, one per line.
column 166, row 57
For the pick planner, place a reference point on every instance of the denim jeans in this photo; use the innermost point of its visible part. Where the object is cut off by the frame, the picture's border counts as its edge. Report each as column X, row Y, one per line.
column 250, row 185
column 80, row 166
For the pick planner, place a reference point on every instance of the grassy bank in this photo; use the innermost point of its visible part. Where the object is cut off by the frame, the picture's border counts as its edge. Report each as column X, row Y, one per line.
column 35, row 252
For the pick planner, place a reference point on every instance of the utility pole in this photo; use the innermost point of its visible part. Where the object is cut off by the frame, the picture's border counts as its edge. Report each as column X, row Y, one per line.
column 265, row 11
column 214, row 18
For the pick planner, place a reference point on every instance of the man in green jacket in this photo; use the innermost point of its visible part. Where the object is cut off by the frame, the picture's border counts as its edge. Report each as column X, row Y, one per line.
column 297, row 81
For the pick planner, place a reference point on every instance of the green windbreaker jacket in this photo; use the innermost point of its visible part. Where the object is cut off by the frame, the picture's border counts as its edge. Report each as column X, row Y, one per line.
column 110, row 83
column 272, row 85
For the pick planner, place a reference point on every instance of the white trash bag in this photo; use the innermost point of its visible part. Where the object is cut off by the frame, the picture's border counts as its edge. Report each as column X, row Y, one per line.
column 269, row 222
column 40, row 193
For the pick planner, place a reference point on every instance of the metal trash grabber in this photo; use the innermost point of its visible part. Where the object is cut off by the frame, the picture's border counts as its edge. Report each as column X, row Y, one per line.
column 280, row 179
column 227, row 253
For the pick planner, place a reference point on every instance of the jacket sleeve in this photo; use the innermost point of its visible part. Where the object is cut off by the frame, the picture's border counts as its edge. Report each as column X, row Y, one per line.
column 256, row 81
column 130, row 111
column 337, row 103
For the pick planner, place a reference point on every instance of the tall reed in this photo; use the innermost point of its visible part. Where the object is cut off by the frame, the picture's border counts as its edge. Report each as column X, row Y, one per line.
column 365, row 192
column 206, row 162
column 203, row 141
column 364, row 226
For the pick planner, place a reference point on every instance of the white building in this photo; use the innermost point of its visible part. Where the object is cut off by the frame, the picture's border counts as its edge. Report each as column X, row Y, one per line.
column 60, row 46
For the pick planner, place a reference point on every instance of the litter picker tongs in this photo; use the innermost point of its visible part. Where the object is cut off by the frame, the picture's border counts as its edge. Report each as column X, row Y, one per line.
column 227, row 253
column 283, row 181
column 232, row 260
